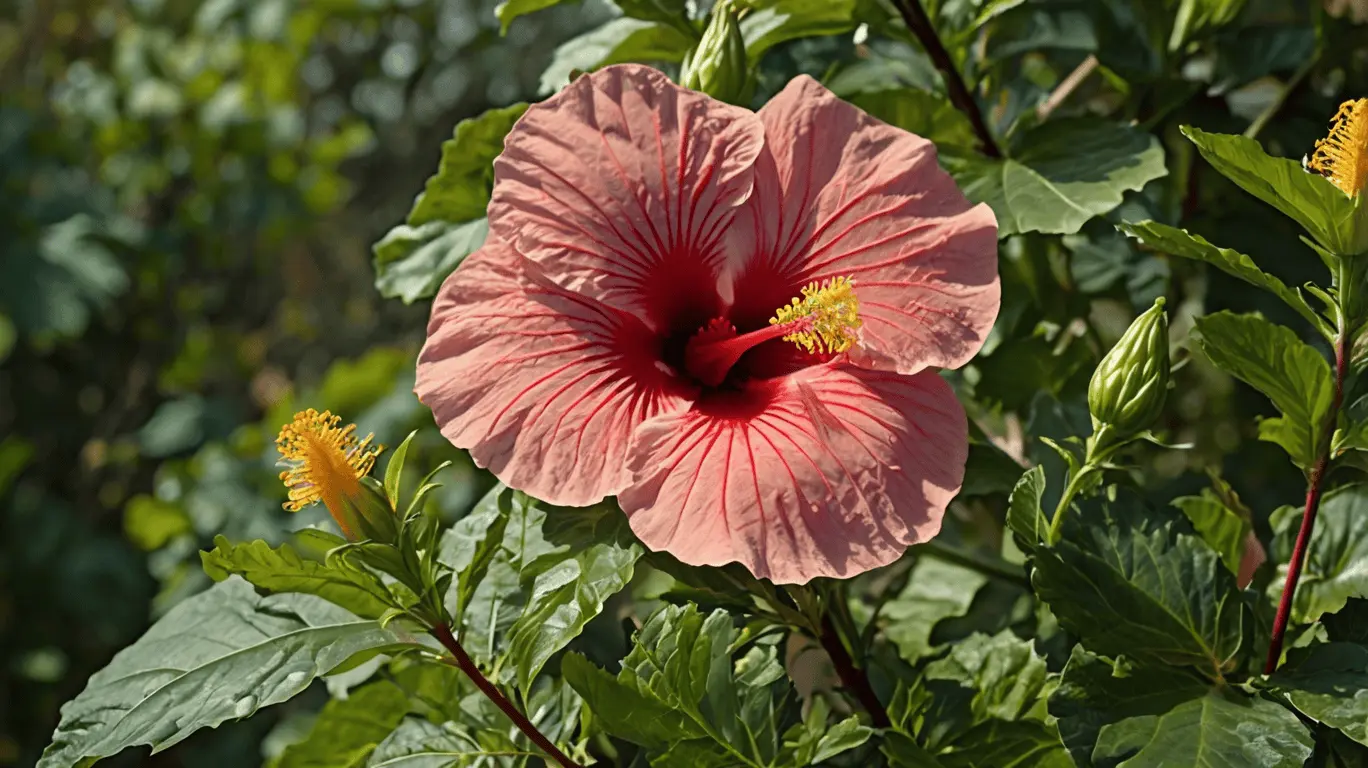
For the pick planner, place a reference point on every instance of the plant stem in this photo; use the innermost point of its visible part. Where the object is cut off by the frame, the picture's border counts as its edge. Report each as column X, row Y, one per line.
column 467, row 665
column 1066, row 87
column 914, row 16
column 1314, row 488
column 1256, row 127
column 854, row 678
column 1070, row 491
column 989, row 566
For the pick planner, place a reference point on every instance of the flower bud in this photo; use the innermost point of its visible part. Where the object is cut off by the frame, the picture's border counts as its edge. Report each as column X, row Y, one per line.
column 717, row 66
column 1127, row 391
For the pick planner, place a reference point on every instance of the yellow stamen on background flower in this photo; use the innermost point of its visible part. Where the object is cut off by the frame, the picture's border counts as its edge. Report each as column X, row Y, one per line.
column 326, row 462
column 1342, row 157
column 833, row 314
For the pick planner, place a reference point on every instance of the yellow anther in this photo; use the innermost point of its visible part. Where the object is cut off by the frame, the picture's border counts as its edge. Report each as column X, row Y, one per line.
column 326, row 462
column 832, row 314
column 1342, row 157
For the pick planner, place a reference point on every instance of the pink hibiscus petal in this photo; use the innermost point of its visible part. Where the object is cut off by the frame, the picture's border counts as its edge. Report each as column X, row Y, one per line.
column 839, row 193
column 622, row 186
column 543, row 386
column 831, row 471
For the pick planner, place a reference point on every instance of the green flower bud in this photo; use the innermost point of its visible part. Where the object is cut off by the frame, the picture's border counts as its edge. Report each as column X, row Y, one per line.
column 1127, row 391
column 717, row 66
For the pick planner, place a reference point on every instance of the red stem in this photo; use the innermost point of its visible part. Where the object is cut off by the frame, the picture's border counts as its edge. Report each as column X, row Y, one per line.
column 914, row 16
column 1314, row 489
column 853, row 677
column 467, row 665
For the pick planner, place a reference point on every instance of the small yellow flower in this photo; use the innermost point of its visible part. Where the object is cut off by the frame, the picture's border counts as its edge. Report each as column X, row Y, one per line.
column 326, row 463
column 1342, row 156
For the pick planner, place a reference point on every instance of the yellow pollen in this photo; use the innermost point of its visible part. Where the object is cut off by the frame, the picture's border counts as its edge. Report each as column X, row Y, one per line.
column 833, row 314
column 1342, row 157
column 326, row 462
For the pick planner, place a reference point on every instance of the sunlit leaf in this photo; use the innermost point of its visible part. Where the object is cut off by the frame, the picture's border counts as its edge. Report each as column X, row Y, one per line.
column 347, row 730
column 1334, row 219
column 1060, row 175
column 1336, row 566
column 1180, row 242
column 281, row 570
column 220, row 655
column 1328, row 683
column 616, row 42
column 1127, row 582
column 1273, row 360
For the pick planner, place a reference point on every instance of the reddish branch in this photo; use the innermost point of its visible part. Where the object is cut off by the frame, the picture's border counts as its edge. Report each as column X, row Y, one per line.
column 852, row 677
column 467, row 665
column 914, row 16
column 1314, row 489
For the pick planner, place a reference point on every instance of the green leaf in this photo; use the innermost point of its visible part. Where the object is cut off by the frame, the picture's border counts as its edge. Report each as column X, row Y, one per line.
column 1221, row 729
column 347, row 730
column 1274, row 361
column 423, row 744
column 1180, row 242
column 1062, row 174
column 679, row 685
column 903, row 751
column 1336, row 567
column 1330, row 216
column 1004, row 672
column 411, row 262
column 768, row 23
column 282, row 570
column 509, row 10
column 925, row 114
column 1025, row 518
column 625, row 711
column 1222, row 528
column 220, row 655
column 460, row 190
column 1127, row 583
column 1094, row 692
column 1019, row 744
column 618, row 41
column 1328, row 683
column 447, row 222
column 394, row 470
column 594, row 559
column 811, row 741
column 935, row 590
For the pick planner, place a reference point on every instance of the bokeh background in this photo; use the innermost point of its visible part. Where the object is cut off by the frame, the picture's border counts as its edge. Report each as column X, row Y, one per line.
column 189, row 193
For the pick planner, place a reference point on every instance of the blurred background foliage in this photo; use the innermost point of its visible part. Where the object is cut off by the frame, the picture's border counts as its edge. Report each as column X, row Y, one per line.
column 189, row 191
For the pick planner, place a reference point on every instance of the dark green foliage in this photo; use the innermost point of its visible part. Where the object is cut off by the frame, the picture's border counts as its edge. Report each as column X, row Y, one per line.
column 206, row 209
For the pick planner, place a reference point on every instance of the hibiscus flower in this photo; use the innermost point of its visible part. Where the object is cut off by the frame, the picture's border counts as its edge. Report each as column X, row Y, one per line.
column 732, row 321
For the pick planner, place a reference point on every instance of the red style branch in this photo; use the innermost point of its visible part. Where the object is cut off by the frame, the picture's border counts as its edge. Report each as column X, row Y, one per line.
column 467, row 665
column 1315, row 486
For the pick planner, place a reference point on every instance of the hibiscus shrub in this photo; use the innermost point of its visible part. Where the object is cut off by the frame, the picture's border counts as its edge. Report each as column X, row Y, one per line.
column 830, row 359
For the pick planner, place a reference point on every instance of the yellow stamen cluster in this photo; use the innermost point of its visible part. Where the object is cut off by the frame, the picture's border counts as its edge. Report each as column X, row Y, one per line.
column 834, row 313
column 1342, row 157
column 326, row 462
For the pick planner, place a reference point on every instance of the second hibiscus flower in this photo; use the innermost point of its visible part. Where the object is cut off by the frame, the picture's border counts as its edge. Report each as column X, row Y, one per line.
column 732, row 321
